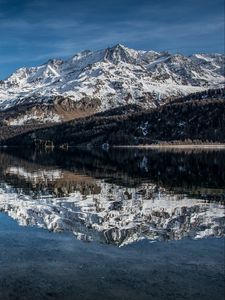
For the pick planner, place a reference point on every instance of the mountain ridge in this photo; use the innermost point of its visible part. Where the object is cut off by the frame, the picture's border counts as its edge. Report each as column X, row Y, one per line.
column 110, row 78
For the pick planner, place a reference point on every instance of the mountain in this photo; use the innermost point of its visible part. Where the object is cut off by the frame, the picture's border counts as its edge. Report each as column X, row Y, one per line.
column 91, row 82
column 195, row 118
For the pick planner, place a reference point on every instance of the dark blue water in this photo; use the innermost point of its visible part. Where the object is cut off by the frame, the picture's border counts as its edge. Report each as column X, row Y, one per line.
column 112, row 225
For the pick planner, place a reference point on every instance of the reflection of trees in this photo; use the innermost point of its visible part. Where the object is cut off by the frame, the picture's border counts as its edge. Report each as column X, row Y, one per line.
column 199, row 173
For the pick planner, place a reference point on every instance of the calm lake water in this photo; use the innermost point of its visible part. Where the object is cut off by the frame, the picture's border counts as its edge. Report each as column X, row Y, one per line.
column 117, row 224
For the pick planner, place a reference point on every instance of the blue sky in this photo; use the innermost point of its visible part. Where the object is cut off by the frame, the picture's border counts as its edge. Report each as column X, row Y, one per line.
column 32, row 31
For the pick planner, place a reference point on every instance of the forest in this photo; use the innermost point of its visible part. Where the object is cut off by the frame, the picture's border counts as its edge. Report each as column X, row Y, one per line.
column 196, row 118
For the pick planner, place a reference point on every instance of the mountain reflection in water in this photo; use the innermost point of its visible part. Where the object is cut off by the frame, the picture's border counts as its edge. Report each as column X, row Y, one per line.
column 118, row 196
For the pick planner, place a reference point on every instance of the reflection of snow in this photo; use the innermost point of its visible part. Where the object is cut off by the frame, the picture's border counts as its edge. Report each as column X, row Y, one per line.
column 144, row 164
column 105, row 146
column 39, row 174
column 117, row 215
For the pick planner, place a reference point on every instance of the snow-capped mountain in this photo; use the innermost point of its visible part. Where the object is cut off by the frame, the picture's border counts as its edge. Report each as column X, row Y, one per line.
column 96, row 81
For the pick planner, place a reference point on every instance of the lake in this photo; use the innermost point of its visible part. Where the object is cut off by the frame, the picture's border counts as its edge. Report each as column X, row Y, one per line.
column 115, row 224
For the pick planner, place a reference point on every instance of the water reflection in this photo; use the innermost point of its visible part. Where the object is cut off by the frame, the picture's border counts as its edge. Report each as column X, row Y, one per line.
column 116, row 197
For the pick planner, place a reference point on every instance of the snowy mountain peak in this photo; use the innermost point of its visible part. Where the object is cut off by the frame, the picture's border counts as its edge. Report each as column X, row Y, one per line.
column 113, row 77
column 120, row 53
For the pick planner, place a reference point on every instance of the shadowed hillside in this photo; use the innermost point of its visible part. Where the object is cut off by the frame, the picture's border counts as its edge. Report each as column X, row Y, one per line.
column 200, row 117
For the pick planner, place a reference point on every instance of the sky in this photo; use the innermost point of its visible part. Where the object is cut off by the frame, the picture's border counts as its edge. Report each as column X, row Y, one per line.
column 33, row 31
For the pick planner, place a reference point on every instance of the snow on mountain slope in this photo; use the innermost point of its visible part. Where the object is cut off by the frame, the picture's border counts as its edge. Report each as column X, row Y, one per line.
column 114, row 76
